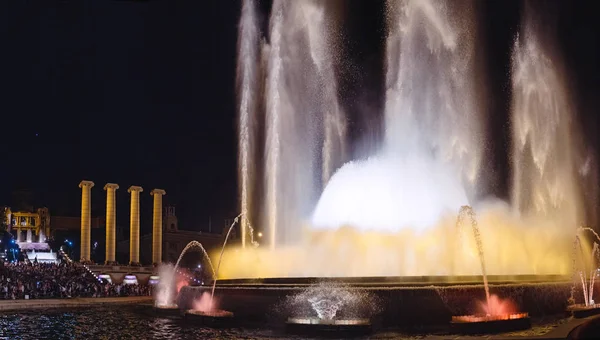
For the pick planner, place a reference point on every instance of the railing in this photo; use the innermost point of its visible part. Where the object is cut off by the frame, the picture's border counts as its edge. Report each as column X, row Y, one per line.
column 100, row 267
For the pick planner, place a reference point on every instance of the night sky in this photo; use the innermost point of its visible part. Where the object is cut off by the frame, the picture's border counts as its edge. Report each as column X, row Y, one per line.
column 143, row 93
column 135, row 93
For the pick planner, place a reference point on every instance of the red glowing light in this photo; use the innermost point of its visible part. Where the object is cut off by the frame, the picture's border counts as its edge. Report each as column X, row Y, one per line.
column 181, row 283
column 496, row 310
column 498, row 306
column 205, row 303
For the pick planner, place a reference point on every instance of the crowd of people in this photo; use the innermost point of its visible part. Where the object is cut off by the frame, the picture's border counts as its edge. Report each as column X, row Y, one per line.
column 32, row 280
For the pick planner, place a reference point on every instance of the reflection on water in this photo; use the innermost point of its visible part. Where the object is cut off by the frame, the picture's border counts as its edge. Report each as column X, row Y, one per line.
column 117, row 322
column 138, row 322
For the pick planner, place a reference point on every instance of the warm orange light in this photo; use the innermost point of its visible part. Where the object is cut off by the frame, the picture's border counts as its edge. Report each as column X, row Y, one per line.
column 512, row 246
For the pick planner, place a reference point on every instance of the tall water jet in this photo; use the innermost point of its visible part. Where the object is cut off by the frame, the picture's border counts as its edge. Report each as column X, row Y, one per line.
column 241, row 216
column 321, row 33
column 500, row 313
column 431, row 108
column 248, row 92
column 548, row 165
column 467, row 212
column 430, row 160
column 303, row 116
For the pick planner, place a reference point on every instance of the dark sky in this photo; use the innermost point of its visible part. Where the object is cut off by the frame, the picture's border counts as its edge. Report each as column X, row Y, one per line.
column 143, row 93
column 135, row 93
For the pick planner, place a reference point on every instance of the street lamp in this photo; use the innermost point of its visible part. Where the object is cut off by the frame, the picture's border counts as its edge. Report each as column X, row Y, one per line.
column 259, row 234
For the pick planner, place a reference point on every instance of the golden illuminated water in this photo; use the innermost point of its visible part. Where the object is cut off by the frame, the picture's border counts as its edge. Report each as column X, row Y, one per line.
column 512, row 246
column 393, row 213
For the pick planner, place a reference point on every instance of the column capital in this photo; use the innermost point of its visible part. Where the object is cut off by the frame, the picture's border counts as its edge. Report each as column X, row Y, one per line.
column 158, row 192
column 85, row 183
column 111, row 186
column 135, row 188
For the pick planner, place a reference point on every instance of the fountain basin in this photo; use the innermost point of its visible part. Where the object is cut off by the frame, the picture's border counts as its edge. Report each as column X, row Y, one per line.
column 167, row 310
column 335, row 327
column 408, row 303
column 213, row 318
column 482, row 324
column 582, row 311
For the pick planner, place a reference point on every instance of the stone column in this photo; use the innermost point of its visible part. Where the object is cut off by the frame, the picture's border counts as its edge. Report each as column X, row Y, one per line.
column 157, row 225
column 29, row 235
column 111, row 221
column 134, row 224
column 86, row 207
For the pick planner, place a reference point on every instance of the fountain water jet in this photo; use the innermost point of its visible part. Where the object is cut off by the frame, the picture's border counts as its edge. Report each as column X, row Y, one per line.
column 254, row 243
column 431, row 107
column 247, row 78
column 305, row 125
column 168, row 275
column 195, row 244
column 591, row 265
column 205, row 308
column 467, row 211
column 551, row 172
column 499, row 312
column 581, row 229
column 430, row 100
column 164, row 293
column 328, row 300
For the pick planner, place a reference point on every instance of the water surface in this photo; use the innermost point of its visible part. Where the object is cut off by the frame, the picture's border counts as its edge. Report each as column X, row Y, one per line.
column 138, row 322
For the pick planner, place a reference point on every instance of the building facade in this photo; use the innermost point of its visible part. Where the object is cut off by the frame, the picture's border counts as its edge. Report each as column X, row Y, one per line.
column 174, row 240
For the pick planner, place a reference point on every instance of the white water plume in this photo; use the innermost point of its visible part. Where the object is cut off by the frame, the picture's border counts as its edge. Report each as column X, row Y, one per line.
column 165, row 293
column 327, row 300
column 429, row 165
column 248, row 58
column 305, row 127
column 549, row 164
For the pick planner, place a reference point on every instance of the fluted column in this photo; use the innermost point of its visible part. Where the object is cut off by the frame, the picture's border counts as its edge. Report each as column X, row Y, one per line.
column 111, row 221
column 134, row 224
column 157, row 225
column 86, row 207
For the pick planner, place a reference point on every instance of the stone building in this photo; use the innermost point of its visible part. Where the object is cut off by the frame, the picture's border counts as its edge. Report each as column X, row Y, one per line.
column 174, row 240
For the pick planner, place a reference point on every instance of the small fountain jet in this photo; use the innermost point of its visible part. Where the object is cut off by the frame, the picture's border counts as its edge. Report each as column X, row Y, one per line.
column 587, row 265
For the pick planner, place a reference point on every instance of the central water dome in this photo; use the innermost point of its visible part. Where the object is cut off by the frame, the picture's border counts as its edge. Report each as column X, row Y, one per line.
column 430, row 161
column 389, row 192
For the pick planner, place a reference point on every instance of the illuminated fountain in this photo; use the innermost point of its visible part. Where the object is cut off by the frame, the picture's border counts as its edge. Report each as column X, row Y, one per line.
column 330, row 307
column 305, row 127
column 247, row 83
column 587, row 264
column 204, row 312
column 252, row 242
column 170, row 283
column 497, row 314
column 205, row 308
column 166, row 290
column 397, row 206
column 390, row 215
